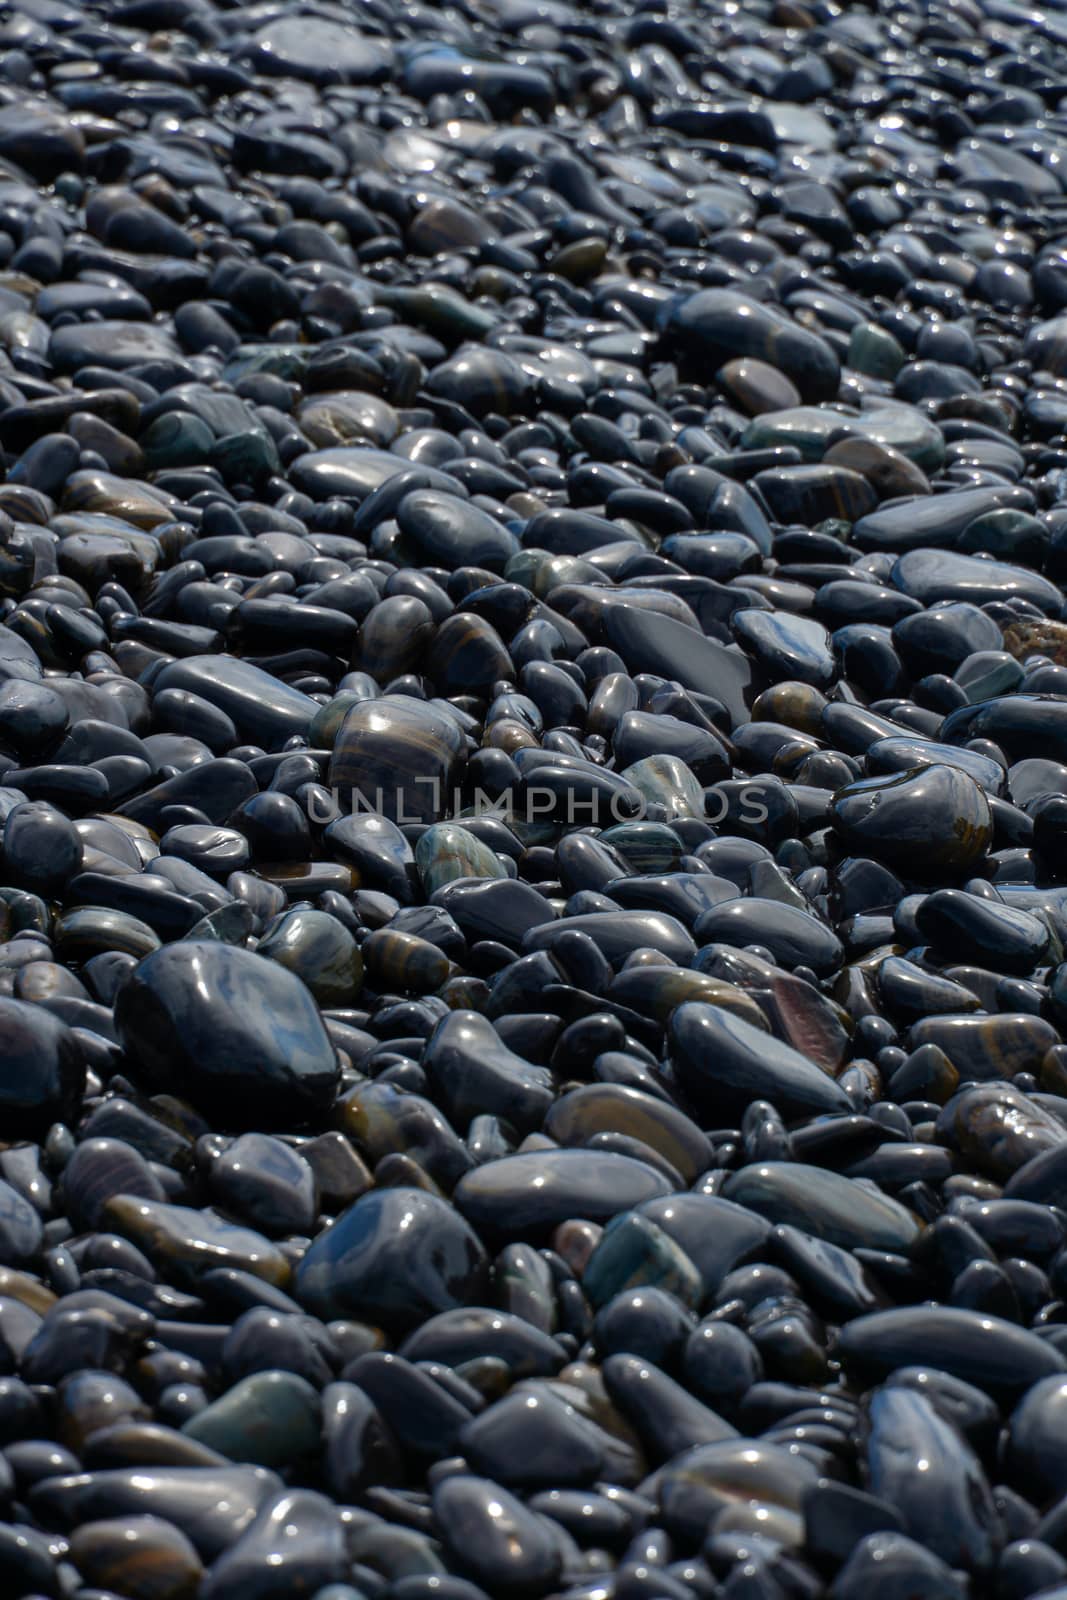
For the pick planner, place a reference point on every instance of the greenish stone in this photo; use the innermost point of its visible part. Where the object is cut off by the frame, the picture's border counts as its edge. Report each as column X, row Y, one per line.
column 447, row 850
column 440, row 310
column 874, row 351
column 540, row 571
column 667, row 781
column 246, row 457
column 649, row 847
column 811, row 428
column 176, row 439
column 633, row 1253
column 283, row 360
column 268, row 1419
column 987, row 674
column 1007, row 533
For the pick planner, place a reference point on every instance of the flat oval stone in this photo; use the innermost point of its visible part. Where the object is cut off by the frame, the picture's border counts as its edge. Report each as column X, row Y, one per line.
column 944, row 575
column 932, row 521
column 994, row 1355
column 263, row 709
column 601, row 1107
column 188, row 1243
column 538, row 1189
column 724, row 1063
column 212, row 1506
column 823, row 1203
column 982, row 1047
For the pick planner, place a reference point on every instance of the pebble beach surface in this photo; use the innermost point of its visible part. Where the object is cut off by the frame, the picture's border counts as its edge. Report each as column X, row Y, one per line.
column 533, row 800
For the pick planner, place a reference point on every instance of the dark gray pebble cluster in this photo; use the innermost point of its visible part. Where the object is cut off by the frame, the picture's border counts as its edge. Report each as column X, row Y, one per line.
column 533, row 800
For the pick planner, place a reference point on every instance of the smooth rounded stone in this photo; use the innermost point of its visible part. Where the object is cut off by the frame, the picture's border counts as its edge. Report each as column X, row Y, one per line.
column 296, row 1544
column 268, row 1419
column 1002, row 1131
column 495, row 1537
column 814, row 431
column 724, row 1063
column 377, row 849
column 394, row 1256
column 32, row 716
column 996, row 1356
column 786, row 646
column 970, row 928
column 906, row 755
column 705, row 1482
column 982, row 1047
column 42, row 1070
column 211, row 1506
column 1035, row 1441
column 907, row 1439
column 718, row 325
column 320, row 951
column 397, row 757
column 110, row 343
column 534, row 1440
column 812, row 492
column 269, row 1184
column 650, row 642
column 667, row 1418
column 404, row 961
column 714, row 1233
column 98, row 1169
column 348, row 472
column 536, row 1190
column 186, row 1243
column 793, row 936
column 928, row 524
column 237, row 1033
column 317, row 51
column 1023, row 726
column 575, row 1118
column 757, row 386
column 927, row 820
column 262, row 708
column 456, row 1337
column 41, row 847
column 825, row 1204
column 473, row 1072
column 448, row 850
column 142, row 1557
column 634, row 1253
column 618, row 934
column 495, row 908
column 452, row 533
column 657, row 990
column 945, row 575
column 885, row 1565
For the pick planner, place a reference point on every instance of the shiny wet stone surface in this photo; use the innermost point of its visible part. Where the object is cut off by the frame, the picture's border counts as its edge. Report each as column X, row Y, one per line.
column 533, row 801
